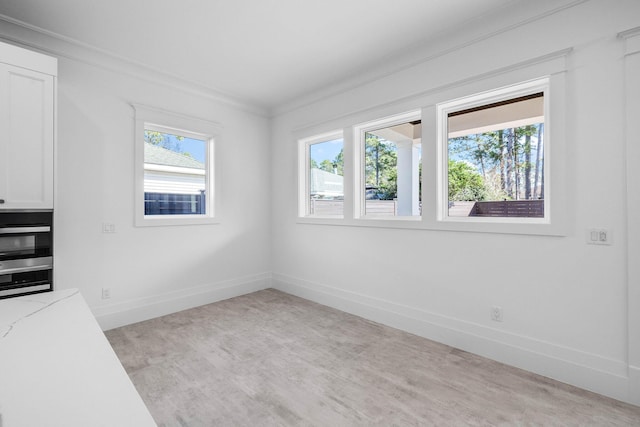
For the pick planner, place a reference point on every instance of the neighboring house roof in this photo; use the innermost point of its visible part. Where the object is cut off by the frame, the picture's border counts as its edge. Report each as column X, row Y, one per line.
column 326, row 184
column 157, row 155
column 169, row 172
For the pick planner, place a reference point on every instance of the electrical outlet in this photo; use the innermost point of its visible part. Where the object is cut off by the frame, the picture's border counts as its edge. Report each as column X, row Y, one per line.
column 496, row 314
column 599, row 236
column 106, row 293
column 108, row 227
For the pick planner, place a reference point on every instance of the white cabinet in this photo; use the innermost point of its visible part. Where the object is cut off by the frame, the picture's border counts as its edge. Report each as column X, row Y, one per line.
column 27, row 128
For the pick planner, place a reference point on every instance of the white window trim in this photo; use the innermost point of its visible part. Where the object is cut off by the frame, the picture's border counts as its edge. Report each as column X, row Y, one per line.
column 179, row 124
column 359, row 132
column 435, row 200
column 304, row 165
column 552, row 65
column 501, row 94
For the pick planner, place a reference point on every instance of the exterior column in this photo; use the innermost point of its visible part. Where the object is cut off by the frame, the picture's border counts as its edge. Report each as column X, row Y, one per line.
column 408, row 183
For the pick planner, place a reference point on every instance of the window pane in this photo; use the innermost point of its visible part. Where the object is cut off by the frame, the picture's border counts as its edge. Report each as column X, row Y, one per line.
column 174, row 174
column 393, row 170
column 326, row 182
column 496, row 159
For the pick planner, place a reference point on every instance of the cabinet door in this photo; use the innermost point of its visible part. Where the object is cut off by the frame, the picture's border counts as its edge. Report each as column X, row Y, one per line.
column 26, row 138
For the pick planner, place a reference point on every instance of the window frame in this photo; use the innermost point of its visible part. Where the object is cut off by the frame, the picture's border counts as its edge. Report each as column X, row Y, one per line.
column 557, row 167
column 149, row 118
column 304, row 168
column 478, row 100
column 359, row 163
column 559, row 143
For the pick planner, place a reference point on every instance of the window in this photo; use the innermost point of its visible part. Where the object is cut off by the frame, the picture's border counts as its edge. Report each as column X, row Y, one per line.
column 485, row 164
column 175, row 176
column 174, row 169
column 389, row 163
column 322, row 173
column 494, row 155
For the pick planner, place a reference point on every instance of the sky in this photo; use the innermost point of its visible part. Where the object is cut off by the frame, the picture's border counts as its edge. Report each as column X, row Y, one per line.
column 327, row 150
column 195, row 147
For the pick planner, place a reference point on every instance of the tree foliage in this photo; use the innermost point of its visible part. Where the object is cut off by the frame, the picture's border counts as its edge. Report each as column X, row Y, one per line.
column 465, row 184
column 336, row 166
column 504, row 159
column 164, row 140
column 381, row 161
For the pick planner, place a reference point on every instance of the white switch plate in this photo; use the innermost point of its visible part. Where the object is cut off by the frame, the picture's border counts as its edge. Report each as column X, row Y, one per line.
column 599, row 236
column 108, row 227
column 496, row 313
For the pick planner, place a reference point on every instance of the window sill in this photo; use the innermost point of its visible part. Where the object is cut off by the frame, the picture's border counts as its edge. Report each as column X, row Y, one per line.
column 169, row 220
column 416, row 223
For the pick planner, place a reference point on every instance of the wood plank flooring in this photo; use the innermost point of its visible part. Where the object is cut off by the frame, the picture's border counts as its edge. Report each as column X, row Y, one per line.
column 272, row 359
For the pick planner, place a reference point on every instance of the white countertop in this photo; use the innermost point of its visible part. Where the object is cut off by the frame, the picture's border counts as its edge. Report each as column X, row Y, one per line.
column 58, row 369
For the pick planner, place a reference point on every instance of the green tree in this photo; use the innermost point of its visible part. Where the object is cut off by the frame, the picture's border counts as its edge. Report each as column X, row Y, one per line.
column 164, row 140
column 538, row 174
column 465, row 184
column 381, row 161
column 335, row 166
column 504, row 159
column 326, row 165
column 526, row 132
column 339, row 162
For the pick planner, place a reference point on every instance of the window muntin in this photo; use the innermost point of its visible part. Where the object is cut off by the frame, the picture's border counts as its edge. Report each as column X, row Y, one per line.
column 322, row 169
column 494, row 155
column 391, row 167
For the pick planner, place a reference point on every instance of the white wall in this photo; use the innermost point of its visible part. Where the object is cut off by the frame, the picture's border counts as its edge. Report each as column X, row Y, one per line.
column 149, row 270
column 564, row 302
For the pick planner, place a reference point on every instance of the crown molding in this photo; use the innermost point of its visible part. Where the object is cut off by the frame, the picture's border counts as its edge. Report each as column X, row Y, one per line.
column 632, row 40
column 428, row 52
column 36, row 38
column 632, row 32
column 59, row 45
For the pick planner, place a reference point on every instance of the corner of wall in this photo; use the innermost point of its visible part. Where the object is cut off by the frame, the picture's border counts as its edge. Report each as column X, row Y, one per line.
column 124, row 313
column 571, row 366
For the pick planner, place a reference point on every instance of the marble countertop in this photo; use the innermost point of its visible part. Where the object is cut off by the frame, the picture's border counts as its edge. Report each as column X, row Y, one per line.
column 58, row 369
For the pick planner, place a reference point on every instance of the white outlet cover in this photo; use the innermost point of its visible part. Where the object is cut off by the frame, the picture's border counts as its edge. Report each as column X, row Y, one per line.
column 599, row 236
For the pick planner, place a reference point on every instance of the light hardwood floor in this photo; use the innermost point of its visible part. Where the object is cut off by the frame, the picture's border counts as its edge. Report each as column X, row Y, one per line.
column 270, row 358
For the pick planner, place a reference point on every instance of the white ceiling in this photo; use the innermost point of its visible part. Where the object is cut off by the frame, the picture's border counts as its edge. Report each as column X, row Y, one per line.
column 263, row 52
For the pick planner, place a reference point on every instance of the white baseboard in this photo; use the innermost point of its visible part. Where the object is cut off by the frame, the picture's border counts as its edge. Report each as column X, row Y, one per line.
column 634, row 385
column 124, row 313
column 592, row 372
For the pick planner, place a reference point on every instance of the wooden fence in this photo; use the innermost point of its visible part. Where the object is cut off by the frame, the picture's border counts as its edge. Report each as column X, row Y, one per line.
column 335, row 207
column 381, row 207
column 326, row 207
column 509, row 208
column 174, row 204
column 506, row 208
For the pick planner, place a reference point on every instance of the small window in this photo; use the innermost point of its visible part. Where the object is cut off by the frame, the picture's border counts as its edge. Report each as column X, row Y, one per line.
column 175, row 174
column 390, row 160
column 175, row 169
column 322, row 176
column 494, row 159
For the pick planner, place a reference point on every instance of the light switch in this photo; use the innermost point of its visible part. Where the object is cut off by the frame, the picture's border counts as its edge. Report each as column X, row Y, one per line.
column 599, row 236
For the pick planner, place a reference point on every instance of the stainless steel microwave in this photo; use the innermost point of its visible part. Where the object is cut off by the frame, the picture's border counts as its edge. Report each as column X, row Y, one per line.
column 26, row 252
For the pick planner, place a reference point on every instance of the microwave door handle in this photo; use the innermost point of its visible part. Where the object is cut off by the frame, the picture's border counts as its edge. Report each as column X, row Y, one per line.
column 25, row 269
column 24, row 230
